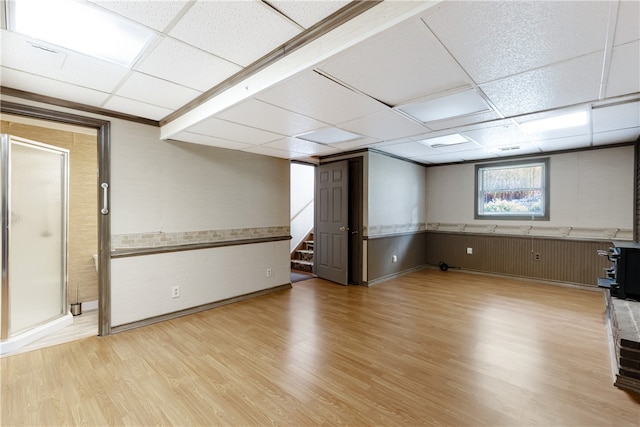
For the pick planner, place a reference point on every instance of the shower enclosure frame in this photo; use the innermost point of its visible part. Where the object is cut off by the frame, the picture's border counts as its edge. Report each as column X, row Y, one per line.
column 6, row 331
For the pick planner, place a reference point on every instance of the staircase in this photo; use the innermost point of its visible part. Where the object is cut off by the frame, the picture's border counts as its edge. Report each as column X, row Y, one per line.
column 302, row 257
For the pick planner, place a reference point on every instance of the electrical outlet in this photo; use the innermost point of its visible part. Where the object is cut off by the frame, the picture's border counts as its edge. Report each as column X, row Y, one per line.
column 269, row 272
column 536, row 256
column 469, row 251
column 394, row 258
column 175, row 292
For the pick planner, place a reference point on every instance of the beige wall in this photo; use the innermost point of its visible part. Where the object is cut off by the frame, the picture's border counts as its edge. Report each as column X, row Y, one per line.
column 591, row 197
column 83, row 231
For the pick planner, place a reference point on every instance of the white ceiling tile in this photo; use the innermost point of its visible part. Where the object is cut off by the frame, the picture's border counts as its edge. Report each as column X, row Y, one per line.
column 509, row 150
column 318, row 97
column 408, row 149
column 308, row 13
column 621, row 116
column 383, row 125
column 265, row 116
column 616, row 136
column 439, row 158
column 197, row 138
column 566, row 143
column 358, row 143
column 81, row 70
column 502, row 134
column 480, row 154
column 463, row 121
column 152, row 13
column 568, row 83
column 239, row 31
column 628, row 25
column 497, row 39
column 53, row 88
column 467, row 146
column 136, row 108
column 624, row 72
column 299, row 146
column 153, row 90
column 402, row 64
column 186, row 65
column 271, row 152
column 399, row 140
column 233, row 131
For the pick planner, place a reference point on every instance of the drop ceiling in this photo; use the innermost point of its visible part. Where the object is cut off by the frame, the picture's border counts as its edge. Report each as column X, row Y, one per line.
column 233, row 74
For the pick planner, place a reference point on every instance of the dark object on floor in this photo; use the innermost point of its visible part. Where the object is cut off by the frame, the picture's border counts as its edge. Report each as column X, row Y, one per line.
column 300, row 276
column 443, row 266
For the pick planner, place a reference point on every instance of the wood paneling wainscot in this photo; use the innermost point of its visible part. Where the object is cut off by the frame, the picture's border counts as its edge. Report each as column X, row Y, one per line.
column 560, row 260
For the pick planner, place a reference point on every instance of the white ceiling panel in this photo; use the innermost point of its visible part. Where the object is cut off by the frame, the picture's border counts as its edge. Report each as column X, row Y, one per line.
column 358, row 143
column 564, row 116
column 136, row 108
column 463, row 120
column 318, row 97
column 233, row 131
column 624, row 72
column 399, row 65
column 616, row 136
column 154, row 14
column 408, row 149
column 384, row 125
column 508, row 150
column 81, row 70
column 153, row 90
column 439, row 158
column 265, row 116
column 56, row 89
column 497, row 39
column 621, row 116
column 186, row 65
column 300, row 146
column 568, row 83
column 628, row 25
column 467, row 146
column 567, row 143
column 480, row 154
column 266, row 151
column 504, row 133
column 306, row 13
column 209, row 140
column 239, row 31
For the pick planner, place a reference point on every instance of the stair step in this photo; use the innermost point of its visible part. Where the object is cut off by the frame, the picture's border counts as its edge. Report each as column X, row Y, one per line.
column 301, row 262
column 305, row 251
column 302, row 265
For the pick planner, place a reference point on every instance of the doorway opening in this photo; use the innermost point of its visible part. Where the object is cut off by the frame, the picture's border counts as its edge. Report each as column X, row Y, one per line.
column 52, row 121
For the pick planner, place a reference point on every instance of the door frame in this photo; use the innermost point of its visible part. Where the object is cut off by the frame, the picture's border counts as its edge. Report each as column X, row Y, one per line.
column 355, row 220
column 103, row 128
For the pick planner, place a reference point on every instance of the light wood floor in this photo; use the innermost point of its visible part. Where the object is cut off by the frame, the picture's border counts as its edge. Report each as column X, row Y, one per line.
column 430, row 348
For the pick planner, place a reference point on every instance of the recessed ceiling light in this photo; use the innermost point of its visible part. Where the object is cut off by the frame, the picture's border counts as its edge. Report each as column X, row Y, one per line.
column 80, row 27
column 557, row 122
column 444, row 141
column 328, row 136
column 446, row 107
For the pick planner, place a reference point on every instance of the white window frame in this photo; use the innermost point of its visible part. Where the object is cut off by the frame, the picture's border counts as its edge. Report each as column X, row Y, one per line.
column 543, row 215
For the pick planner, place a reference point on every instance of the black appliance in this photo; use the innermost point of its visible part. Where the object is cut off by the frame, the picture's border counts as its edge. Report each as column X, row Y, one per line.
column 623, row 277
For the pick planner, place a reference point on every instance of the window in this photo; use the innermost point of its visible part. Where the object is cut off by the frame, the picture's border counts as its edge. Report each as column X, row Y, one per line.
column 513, row 190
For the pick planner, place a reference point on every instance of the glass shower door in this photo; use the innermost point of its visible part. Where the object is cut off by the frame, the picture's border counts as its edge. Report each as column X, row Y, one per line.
column 35, row 244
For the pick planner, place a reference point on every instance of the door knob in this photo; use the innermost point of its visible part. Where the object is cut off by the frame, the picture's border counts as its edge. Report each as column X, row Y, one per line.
column 343, row 228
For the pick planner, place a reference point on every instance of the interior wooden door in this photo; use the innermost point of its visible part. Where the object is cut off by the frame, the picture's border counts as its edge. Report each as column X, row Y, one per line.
column 332, row 216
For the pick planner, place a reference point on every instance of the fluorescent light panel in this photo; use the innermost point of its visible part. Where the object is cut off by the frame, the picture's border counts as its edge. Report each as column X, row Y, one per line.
column 446, row 107
column 82, row 28
column 442, row 141
column 563, row 121
column 328, row 136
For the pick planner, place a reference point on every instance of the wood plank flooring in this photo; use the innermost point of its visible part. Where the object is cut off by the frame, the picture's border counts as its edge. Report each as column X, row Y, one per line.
column 430, row 348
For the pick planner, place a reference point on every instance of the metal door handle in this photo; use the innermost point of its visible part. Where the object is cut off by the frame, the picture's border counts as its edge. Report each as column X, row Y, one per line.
column 344, row 228
column 105, row 198
column 354, row 232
